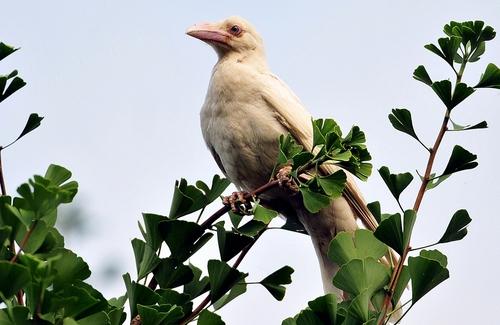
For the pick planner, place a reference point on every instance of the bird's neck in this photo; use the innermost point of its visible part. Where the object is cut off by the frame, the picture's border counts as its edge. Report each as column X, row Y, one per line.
column 255, row 57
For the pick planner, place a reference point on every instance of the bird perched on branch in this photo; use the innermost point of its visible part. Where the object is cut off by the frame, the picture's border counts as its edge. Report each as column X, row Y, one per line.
column 246, row 109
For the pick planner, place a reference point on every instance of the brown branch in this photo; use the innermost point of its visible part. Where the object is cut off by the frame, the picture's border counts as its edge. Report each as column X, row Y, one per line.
column 208, row 223
column 2, row 180
column 416, row 206
column 423, row 186
column 237, row 263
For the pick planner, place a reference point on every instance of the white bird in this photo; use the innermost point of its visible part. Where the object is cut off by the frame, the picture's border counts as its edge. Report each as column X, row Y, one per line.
column 246, row 109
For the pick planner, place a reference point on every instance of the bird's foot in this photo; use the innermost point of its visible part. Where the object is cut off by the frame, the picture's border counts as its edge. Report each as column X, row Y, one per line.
column 238, row 203
column 284, row 179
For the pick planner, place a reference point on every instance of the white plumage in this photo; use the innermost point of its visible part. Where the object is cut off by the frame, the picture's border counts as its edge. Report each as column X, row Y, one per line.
column 245, row 111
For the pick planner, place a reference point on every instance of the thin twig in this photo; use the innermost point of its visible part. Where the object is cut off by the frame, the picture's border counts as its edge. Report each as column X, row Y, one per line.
column 236, row 263
column 219, row 213
column 2, row 180
column 24, row 241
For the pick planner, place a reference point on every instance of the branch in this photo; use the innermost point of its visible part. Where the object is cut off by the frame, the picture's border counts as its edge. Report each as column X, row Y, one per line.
column 423, row 187
column 237, row 263
column 219, row 213
column 2, row 180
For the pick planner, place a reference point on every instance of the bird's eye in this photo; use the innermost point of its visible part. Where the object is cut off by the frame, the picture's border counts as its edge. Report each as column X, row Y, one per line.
column 235, row 30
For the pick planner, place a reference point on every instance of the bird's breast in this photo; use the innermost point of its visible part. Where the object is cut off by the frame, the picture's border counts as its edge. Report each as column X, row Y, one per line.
column 242, row 130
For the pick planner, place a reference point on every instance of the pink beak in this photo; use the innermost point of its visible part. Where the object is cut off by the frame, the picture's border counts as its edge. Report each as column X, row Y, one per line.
column 209, row 33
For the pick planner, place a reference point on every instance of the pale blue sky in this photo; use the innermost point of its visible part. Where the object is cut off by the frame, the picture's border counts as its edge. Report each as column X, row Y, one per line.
column 120, row 86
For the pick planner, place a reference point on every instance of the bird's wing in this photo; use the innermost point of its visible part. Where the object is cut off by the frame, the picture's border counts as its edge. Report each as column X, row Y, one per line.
column 290, row 112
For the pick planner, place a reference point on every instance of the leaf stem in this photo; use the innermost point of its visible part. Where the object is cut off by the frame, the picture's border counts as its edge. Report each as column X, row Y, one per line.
column 423, row 247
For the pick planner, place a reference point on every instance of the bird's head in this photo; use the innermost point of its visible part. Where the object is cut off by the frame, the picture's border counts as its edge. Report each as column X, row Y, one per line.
column 231, row 35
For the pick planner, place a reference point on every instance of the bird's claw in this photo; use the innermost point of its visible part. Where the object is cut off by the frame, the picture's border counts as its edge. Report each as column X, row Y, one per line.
column 238, row 203
column 284, row 179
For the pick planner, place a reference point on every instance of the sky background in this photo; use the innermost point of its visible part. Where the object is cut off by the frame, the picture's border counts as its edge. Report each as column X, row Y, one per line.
column 121, row 85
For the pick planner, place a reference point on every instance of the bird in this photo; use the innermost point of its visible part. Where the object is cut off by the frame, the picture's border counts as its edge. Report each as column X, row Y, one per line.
column 246, row 109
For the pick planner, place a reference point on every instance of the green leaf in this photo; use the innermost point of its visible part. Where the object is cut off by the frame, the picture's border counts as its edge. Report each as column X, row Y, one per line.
column 458, row 127
column 376, row 211
column 435, row 255
column 32, row 123
column 360, row 305
column 263, row 215
column 361, row 244
column 6, row 50
column 69, row 267
column 252, row 228
column 180, row 237
column 321, row 128
column 395, row 182
column 460, row 159
column 409, row 218
column 222, row 278
column 97, row 318
column 443, row 90
column 230, row 243
column 274, row 282
column 293, row 224
column 487, row 34
column 235, row 218
column 306, row 317
column 434, row 49
column 236, row 291
column 209, row 318
column 139, row 294
column 187, row 199
column 461, row 92
column 158, row 315
column 219, row 185
column 490, row 78
column 5, row 232
column 400, row 119
column 14, row 278
column 72, row 301
column 116, row 316
column 475, row 56
column 16, row 315
column 145, row 258
column 421, row 74
column 401, row 286
column 118, row 302
column 425, row 275
column 390, row 231
column 16, row 84
column 287, row 149
column 36, row 238
column 152, row 234
column 197, row 285
column 448, row 48
column 41, row 276
column 333, row 184
column 358, row 276
column 170, row 273
column 457, row 228
column 172, row 297
column 313, row 201
column 325, row 308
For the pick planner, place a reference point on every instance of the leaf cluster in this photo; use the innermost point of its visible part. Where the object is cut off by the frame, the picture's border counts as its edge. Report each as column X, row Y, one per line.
column 330, row 149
